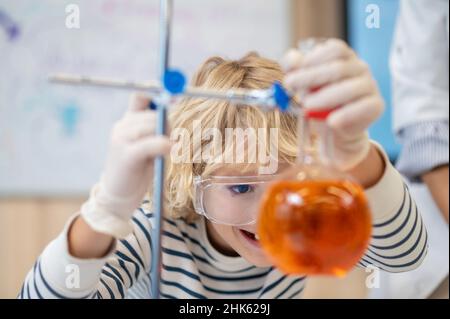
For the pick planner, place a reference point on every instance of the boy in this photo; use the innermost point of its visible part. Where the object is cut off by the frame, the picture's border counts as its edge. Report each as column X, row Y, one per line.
column 208, row 249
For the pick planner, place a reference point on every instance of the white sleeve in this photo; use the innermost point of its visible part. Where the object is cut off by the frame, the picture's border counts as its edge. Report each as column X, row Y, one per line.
column 420, row 63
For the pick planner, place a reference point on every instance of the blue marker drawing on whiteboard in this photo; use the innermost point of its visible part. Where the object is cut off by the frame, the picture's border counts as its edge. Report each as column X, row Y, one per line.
column 70, row 115
column 9, row 26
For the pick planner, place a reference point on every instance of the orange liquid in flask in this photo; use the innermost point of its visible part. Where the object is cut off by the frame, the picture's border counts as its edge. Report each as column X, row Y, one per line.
column 315, row 226
column 317, row 220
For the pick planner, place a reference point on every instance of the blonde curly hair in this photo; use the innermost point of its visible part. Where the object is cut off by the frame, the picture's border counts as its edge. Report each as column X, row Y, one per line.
column 249, row 72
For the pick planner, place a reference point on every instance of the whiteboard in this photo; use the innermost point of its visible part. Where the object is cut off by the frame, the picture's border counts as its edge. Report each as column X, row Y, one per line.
column 53, row 139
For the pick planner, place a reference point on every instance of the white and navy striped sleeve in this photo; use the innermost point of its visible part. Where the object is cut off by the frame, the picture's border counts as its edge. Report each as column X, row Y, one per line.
column 399, row 238
column 57, row 274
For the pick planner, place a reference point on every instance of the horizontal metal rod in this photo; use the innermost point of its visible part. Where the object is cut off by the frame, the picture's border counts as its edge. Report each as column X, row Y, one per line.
column 79, row 80
column 261, row 98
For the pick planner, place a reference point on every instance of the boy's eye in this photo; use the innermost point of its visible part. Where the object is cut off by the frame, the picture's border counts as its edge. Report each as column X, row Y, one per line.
column 240, row 189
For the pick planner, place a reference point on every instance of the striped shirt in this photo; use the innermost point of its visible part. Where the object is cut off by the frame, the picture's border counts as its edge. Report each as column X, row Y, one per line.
column 193, row 268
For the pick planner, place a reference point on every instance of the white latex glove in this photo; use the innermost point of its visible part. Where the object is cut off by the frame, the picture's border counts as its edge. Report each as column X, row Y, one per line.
column 345, row 83
column 128, row 171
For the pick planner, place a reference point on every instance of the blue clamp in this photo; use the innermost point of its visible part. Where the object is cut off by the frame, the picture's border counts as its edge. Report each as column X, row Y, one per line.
column 281, row 96
column 174, row 82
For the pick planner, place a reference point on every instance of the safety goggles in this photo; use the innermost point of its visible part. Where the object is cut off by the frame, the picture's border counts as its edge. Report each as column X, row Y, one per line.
column 230, row 200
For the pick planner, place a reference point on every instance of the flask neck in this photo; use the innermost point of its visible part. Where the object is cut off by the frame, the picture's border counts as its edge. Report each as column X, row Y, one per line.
column 314, row 141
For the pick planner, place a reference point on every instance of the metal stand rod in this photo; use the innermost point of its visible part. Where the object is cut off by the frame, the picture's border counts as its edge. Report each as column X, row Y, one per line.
column 158, row 200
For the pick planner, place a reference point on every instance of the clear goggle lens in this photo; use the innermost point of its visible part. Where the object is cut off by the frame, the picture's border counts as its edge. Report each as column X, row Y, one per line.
column 230, row 200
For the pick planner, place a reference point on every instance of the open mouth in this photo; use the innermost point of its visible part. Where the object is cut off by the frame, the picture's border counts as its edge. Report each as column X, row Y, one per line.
column 251, row 237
